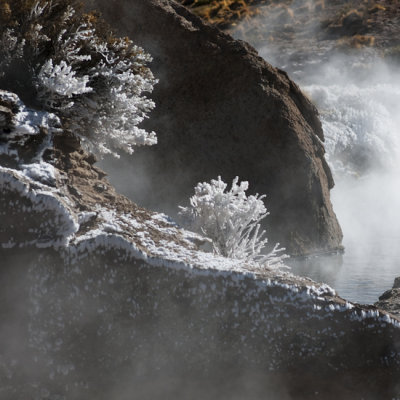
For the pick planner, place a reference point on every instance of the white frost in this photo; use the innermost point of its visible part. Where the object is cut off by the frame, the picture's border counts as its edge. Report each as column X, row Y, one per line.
column 58, row 81
column 231, row 219
column 41, row 171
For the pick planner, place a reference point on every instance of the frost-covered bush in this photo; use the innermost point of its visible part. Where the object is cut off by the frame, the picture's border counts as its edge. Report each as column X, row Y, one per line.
column 231, row 219
column 57, row 58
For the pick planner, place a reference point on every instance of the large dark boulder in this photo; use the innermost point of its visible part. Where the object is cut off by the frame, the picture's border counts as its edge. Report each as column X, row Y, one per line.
column 222, row 110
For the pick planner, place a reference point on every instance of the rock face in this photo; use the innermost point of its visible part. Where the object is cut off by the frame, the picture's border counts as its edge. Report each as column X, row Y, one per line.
column 103, row 299
column 390, row 300
column 222, row 110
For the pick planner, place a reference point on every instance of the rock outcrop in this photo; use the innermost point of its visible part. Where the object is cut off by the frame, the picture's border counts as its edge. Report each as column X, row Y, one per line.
column 222, row 110
column 390, row 300
column 103, row 299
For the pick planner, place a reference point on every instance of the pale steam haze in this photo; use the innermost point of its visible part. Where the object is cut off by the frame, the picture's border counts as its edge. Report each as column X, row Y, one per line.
column 358, row 97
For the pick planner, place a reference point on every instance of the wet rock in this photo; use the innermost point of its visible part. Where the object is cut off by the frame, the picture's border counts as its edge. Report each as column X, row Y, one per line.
column 390, row 300
column 396, row 284
column 222, row 110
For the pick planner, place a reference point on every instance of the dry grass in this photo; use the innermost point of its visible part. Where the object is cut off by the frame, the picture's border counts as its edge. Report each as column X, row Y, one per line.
column 357, row 24
column 376, row 7
column 356, row 41
column 224, row 13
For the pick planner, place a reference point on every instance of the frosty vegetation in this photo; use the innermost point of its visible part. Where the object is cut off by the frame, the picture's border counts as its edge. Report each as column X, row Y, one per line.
column 59, row 59
column 231, row 219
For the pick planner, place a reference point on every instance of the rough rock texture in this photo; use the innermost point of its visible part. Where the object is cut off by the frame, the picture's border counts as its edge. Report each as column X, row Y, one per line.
column 222, row 110
column 396, row 284
column 390, row 300
column 125, row 306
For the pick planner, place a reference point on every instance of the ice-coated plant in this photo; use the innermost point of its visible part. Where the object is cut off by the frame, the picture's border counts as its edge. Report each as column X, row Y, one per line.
column 231, row 219
column 59, row 59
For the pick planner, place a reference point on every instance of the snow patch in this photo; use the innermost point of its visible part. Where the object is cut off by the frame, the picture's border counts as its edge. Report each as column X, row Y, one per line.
column 41, row 172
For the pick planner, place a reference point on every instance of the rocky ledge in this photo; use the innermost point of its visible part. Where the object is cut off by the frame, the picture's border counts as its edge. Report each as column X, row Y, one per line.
column 103, row 299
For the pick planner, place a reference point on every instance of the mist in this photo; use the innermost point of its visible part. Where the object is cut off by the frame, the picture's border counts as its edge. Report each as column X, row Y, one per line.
column 357, row 93
column 124, row 333
column 359, row 103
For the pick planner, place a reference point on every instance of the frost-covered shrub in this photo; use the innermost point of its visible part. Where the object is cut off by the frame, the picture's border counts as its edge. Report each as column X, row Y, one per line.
column 57, row 58
column 231, row 219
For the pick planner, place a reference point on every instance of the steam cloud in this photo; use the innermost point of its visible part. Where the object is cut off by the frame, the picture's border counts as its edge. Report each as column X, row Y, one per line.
column 358, row 96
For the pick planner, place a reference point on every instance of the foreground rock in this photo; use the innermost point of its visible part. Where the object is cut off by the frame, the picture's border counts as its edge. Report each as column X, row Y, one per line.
column 222, row 110
column 390, row 300
column 103, row 299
